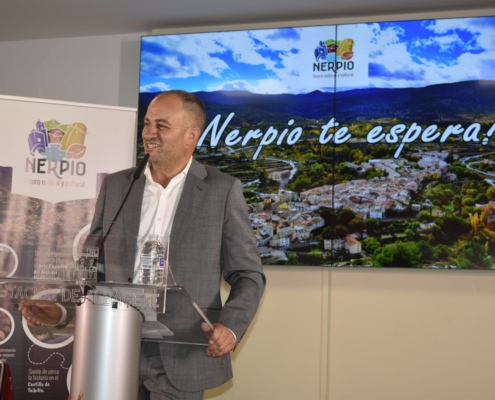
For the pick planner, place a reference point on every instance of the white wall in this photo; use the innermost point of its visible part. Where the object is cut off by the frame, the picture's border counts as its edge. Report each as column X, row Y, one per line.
column 99, row 69
column 402, row 334
column 368, row 334
column 321, row 333
column 283, row 355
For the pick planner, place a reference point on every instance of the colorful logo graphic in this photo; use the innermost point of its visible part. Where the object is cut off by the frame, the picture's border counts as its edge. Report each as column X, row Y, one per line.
column 56, row 141
column 331, row 50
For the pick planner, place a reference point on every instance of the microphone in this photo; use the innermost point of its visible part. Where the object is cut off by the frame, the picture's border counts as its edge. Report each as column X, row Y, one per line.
column 135, row 176
column 139, row 170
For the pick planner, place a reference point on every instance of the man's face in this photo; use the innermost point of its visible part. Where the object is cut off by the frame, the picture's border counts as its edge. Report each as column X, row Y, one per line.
column 166, row 132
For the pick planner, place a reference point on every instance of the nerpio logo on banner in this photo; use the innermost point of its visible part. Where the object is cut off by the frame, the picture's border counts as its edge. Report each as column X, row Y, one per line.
column 332, row 55
column 55, row 147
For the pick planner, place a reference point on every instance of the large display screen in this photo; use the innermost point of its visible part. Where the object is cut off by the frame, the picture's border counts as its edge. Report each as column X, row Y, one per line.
column 357, row 145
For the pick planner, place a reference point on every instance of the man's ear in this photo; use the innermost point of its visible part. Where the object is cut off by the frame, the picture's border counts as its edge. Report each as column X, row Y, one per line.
column 193, row 135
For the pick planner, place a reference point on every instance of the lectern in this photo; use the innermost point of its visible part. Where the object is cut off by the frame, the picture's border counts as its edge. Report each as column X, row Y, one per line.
column 108, row 319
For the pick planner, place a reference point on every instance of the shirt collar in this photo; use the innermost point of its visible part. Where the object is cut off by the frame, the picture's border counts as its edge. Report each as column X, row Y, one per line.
column 180, row 176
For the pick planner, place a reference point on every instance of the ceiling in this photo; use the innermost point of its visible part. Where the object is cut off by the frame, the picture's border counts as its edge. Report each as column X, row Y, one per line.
column 37, row 19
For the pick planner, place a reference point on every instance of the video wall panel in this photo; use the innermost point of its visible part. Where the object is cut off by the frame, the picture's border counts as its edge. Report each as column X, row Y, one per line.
column 357, row 145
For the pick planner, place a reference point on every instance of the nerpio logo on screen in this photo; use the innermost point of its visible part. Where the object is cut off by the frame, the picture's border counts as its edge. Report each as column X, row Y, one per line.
column 55, row 149
column 332, row 55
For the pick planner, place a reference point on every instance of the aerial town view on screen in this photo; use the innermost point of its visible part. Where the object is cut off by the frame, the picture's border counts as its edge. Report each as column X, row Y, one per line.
column 357, row 145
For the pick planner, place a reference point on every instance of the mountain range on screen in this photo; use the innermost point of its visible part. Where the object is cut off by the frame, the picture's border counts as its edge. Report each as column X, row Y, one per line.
column 459, row 101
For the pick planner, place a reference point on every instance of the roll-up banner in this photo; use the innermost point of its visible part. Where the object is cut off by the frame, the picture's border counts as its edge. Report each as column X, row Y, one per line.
column 53, row 158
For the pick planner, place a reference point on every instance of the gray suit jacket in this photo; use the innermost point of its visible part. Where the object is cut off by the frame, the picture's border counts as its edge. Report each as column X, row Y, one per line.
column 211, row 235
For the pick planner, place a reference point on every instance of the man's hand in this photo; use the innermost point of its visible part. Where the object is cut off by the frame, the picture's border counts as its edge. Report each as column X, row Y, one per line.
column 221, row 340
column 40, row 312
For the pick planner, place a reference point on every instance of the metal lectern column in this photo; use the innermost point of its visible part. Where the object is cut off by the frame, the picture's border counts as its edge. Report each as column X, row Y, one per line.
column 107, row 346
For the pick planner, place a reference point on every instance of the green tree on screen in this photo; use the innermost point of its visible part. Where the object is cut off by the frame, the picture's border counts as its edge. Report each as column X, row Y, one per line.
column 402, row 255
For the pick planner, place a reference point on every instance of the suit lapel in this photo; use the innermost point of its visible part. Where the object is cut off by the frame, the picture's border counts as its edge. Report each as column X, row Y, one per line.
column 191, row 198
column 131, row 214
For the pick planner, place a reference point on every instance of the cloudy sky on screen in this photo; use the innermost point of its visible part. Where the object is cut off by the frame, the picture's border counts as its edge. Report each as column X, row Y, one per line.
column 274, row 61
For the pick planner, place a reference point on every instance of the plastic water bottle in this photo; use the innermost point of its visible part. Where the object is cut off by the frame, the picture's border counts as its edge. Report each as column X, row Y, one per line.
column 152, row 261
column 161, row 268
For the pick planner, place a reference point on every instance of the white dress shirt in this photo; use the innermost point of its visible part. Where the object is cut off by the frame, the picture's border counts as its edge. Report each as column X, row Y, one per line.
column 158, row 210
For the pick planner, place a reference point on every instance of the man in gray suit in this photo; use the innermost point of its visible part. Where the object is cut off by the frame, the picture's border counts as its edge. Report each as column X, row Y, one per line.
column 203, row 215
column 209, row 234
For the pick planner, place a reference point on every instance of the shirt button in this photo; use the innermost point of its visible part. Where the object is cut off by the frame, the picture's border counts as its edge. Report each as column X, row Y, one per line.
column 159, row 219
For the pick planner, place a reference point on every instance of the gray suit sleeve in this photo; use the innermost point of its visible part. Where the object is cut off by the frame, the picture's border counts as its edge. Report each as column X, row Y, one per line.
column 241, row 265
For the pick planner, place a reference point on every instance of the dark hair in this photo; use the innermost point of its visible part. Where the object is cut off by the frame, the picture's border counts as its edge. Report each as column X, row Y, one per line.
column 191, row 103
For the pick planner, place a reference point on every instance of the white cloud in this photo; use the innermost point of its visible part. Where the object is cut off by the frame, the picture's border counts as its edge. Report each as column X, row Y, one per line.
column 278, row 44
column 445, row 43
column 233, row 85
column 245, row 49
column 385, row 37
column 263, row 86
column 440, row 26
column 471, row 66
column 185, row 56
column 273, row 86
column 391, row 52
column 484, row 32
column 154, row 87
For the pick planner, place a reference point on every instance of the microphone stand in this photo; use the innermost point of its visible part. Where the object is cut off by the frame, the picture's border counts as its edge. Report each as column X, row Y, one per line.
column 137, row 174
